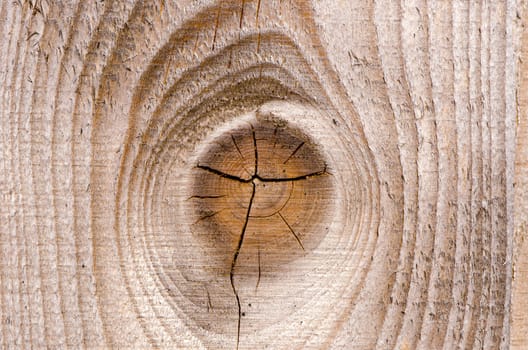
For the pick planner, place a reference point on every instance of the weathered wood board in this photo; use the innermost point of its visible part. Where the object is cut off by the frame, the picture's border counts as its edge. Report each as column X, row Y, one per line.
column 263, row 174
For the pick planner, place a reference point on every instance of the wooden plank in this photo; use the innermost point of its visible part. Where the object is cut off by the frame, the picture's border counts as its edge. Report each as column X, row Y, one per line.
column 250, row 174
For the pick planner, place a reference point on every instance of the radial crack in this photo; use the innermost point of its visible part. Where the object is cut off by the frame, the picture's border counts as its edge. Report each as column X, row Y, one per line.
column 207, row 216
column 291, row 230
column 240, row 153
column 296, row 178
column 236, row 145
column 235, row 258
column 206, row 197
column 222, row 174
column 294, row 152
column 263, row 179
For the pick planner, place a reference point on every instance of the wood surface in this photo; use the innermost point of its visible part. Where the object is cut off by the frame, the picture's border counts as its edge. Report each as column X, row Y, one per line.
column 251, row 174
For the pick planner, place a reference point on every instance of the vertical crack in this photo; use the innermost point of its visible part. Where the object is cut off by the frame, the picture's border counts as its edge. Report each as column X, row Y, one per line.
column 257, row 17
column 257, row 26
column 235, row 258
column 242, row 13
column 256, row 150
column 258, row 279
column 216, row 26
column 209, row 303
column 275, row 137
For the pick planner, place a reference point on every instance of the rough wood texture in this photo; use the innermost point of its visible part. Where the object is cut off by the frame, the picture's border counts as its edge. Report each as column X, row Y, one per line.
column 263, row 174
column 519, row 312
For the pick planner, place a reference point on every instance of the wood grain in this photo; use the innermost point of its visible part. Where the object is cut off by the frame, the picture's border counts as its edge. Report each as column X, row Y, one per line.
column 519, row 303
column 263, row 174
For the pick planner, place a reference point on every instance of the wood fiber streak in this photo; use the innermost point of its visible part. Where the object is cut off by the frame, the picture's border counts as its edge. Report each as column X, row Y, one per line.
column 250, row 174
column 519, row 304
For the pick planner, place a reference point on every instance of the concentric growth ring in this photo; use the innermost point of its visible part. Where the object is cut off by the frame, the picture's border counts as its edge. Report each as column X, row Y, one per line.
column 267, row 179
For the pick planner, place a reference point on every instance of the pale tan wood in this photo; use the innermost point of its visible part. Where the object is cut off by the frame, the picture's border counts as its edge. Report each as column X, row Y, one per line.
column 519, row 318
column 263, row 174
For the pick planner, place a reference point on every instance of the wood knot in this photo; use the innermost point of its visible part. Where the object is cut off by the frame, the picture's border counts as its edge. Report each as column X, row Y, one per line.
column 261, row 189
